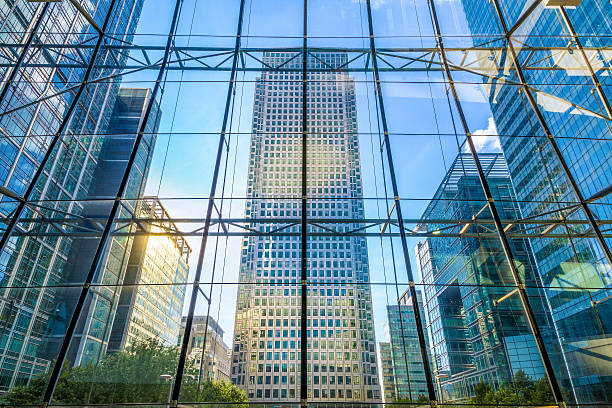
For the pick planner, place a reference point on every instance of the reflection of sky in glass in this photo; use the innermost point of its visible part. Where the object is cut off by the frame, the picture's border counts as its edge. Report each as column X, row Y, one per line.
column 416, row 106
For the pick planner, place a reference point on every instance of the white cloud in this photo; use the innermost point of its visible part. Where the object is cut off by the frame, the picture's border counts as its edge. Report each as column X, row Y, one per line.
column 486, row 140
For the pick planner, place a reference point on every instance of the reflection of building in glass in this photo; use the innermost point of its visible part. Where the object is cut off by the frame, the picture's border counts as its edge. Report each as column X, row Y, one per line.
column 474, row 339
column 385, row 356
column 151, row 301
column 342, row 348
column 541, row 185
column 34, row 314
column 216, row 354
column 410, row 382
column 96, row 321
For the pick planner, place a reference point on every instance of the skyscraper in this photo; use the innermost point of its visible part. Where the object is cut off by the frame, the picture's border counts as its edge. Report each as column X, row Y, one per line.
column 342, row 348
column 151, row 301
column 95, row 325
column 409, row 377
column 476, row 337
column 31, row 314
column 574, row 271
column 385, row 356
column 213, row 358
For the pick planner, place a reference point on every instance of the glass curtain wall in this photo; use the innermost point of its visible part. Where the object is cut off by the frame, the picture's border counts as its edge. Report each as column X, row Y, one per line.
column 307, row 202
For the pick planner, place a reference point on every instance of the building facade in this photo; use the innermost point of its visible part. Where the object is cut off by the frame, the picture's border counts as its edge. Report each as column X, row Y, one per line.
column 207, row 350
column 342, row 348
column 574, row 271
column 385, row 357
column 98, row 319
column 474, row 338
column 150, row 305
column 33, row 316
column 409, row 376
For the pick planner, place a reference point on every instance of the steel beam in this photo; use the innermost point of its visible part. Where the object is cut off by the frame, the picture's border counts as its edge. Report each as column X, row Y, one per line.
column 57, row 368
column 304, row 221
column 398, row 210
column 99, row 254
column 587, row 63
column 207, row 223
column 12, row 74
column 58, row 135
column 551, row 138
column 529, row 314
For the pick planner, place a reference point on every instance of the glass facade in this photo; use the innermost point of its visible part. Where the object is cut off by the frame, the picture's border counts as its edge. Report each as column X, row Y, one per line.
column 307, row 202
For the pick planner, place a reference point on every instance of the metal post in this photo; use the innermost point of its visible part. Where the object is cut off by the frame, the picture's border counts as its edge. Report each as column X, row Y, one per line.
column 26, row 47
column 417, row 314
column 304, row 222
column 211, row 201
column 57, row 368
column 497, row 221
column 568, row 174
column 58, row 134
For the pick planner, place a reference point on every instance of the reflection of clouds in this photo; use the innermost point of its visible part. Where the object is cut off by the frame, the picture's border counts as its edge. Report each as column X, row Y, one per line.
column 486, row 140
column 467, row 92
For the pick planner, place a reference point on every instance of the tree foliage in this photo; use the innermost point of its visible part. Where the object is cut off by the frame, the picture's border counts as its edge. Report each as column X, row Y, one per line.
column 524, row 390
column 132, row 375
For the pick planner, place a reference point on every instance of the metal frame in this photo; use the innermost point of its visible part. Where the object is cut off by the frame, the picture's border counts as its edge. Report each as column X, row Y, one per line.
column 551, row 138
column 520, row 287
column 304, row 220
column 424, row 60
column 176, row 388
column 400, row 220
column 10, row 77
column 57, row 368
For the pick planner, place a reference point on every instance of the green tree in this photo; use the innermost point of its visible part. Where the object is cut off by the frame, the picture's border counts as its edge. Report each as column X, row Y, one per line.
column 132, row 375
column 524, row 390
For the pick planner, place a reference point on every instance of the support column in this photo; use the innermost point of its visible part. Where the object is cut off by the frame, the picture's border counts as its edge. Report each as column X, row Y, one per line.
column 304, row 221
column 520, row 286
column 176, row 390
column 532, row 102
column 98, row 256
column 412, row 289
column 33, row 29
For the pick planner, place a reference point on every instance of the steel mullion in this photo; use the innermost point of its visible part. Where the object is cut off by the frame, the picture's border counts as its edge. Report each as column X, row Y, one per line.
column 415, row 304
column 529, row 314
column 304, row 223
column 26, row 47
column 178, row 378
column 57, row 368
column 58, row 135
column 596, row 83
column 551, row 138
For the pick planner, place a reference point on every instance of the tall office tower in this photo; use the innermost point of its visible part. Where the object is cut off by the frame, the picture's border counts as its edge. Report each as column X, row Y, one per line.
column 385, row 357
column 35, row 266
column 341, row 345
column 213, row 357
column 565, row 265
column 410, row 382
column 90, row 340
column 474, row 338
column 150, row 305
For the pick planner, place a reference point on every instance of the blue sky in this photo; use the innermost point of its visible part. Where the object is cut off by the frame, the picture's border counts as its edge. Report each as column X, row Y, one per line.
column 184, row 160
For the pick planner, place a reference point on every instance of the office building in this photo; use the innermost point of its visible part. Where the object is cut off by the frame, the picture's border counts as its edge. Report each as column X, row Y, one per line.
column 35, row 314
column 207, row 350
column 385, row 357
column 474, row 338
column 570, row 108
column 409, row 376
column 342, row 347
column 151, row 301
